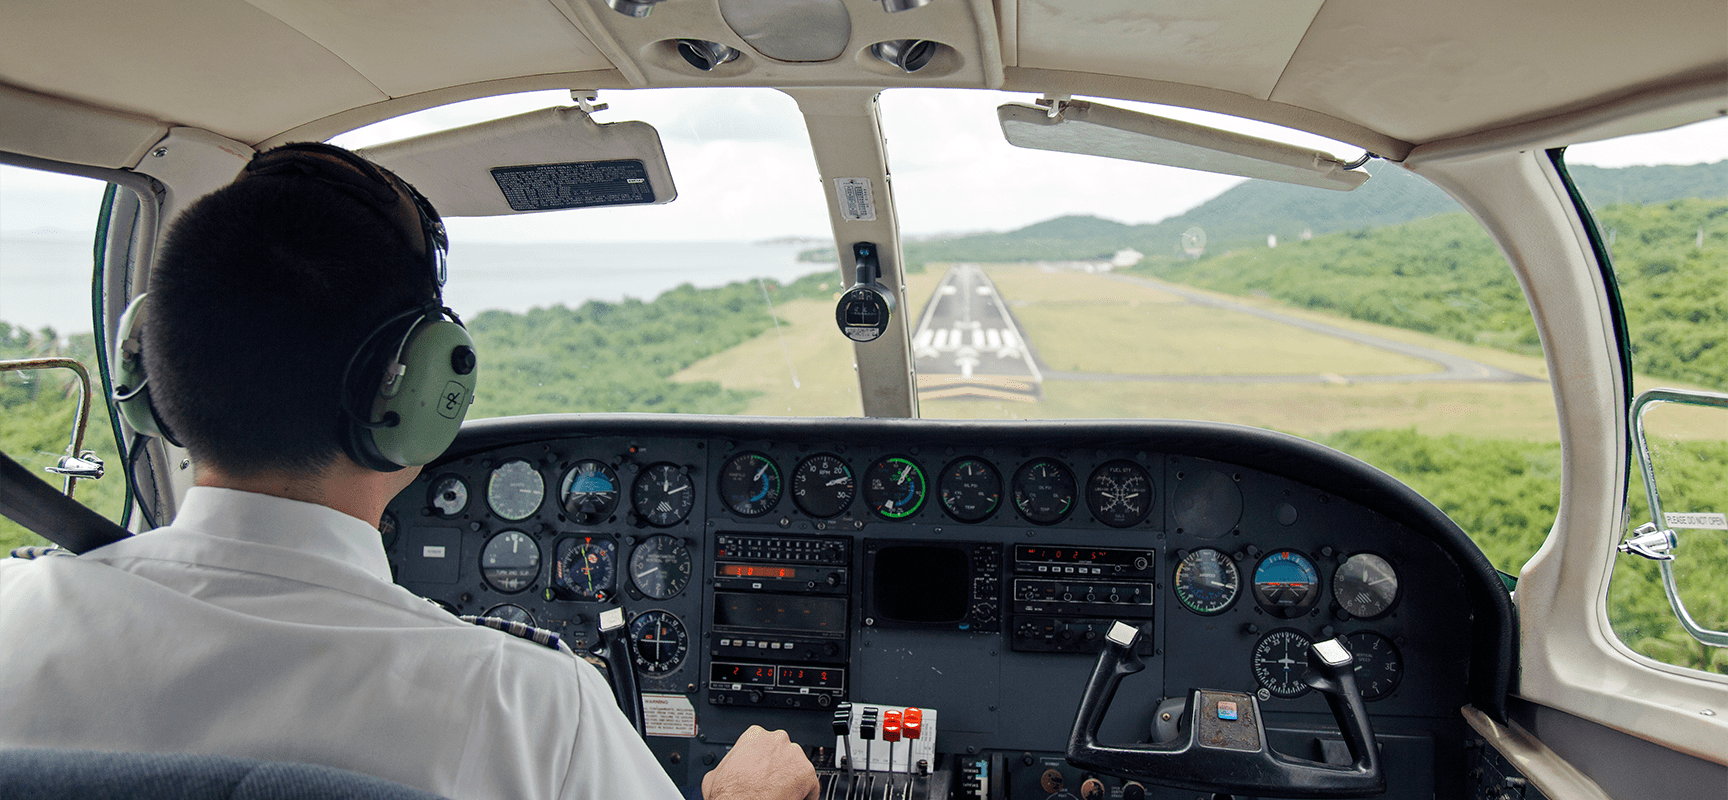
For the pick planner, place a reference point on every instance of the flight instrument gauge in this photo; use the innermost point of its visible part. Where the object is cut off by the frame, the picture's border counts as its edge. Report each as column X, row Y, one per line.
column 894, row 487
column 510, row 561
column 659, row 642
column 1378, row 666
column 822, row 486
column 750, row 484
column 448, row 496
column 661, row 566
column 1207, row 581
column 1280, row 659
column 515, row 490
column 1044, row 491
column 387, row 529
column 1286, row 584
column 1119, row 494
column 1365, row 585
column 589, row 493
column 663, row 494
column 585, row 568
column 510, row 612
column 970, row 489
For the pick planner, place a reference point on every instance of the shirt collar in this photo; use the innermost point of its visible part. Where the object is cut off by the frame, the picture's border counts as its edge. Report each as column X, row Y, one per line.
column 304, row 527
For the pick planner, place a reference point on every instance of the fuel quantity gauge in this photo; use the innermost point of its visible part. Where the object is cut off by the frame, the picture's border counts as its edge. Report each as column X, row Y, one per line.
column 894, row 487
column 750, row 484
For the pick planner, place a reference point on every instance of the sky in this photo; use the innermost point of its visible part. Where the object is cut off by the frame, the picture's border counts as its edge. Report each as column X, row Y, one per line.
column 743, row 170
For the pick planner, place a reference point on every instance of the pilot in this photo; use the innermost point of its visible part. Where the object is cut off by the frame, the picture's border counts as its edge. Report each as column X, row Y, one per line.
column 263, row 622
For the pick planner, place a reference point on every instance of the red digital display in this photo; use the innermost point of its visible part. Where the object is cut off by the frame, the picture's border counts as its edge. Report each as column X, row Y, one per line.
column 757, row 571
column 814, row 677
column 757, row 674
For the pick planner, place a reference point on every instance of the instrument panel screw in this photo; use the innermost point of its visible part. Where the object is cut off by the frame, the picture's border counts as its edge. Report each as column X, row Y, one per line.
column 159, row 152
column 1708, row 712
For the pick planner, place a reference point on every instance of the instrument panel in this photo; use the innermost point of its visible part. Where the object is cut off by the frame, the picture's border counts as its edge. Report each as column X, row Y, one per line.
column 773, row 569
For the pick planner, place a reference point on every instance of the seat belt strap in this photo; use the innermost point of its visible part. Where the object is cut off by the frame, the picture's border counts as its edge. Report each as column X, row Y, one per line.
column 32, row 503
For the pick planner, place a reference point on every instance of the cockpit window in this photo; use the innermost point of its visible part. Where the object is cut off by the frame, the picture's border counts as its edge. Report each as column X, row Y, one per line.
column 1667, row 241
column 47, row 226
column 646, row 308
column 1382, row 322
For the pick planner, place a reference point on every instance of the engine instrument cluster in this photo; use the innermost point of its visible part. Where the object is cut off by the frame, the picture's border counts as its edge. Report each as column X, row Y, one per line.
column 769, row 575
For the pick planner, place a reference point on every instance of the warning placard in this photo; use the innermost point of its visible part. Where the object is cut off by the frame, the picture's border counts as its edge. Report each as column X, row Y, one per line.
column 579, row 184
column 1700, row 520
column 856, row 201
column 669, row 715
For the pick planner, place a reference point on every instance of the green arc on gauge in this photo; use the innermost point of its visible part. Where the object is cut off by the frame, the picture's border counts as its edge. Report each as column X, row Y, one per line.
column 901, row 474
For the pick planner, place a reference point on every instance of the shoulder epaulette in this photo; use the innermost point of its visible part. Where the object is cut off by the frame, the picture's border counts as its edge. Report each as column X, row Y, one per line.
column 539, row 636
column 38, row 551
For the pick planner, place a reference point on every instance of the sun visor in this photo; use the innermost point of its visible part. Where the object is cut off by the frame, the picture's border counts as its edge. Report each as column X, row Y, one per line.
column 546, row 160
column 1099, row 130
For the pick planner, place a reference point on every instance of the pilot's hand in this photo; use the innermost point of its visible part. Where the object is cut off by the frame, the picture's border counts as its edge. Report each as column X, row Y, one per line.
column 763, row 765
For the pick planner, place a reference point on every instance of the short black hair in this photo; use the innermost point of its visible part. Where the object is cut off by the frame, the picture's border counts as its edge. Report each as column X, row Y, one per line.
column 262, row 294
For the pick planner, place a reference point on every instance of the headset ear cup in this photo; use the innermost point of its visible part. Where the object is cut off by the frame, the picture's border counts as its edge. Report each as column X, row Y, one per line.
column 131, row 385
column 429, row 400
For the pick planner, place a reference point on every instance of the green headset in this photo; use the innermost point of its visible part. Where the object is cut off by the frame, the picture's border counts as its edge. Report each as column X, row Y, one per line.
column 409, row 383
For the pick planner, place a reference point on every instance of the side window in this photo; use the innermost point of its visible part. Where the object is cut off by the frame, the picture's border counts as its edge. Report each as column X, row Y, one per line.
column 1667, row 239
column 47, row 227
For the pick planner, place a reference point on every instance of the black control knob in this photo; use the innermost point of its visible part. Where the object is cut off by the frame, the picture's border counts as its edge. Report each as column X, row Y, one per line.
column 1133, row 791
column 831, row 648
column 833, row 579
column 755, row 696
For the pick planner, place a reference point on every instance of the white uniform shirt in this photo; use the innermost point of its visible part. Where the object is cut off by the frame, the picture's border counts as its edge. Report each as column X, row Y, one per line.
column 263, row 627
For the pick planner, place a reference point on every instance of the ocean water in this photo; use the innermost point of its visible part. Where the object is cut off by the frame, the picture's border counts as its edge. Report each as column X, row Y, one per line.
column 45, row 281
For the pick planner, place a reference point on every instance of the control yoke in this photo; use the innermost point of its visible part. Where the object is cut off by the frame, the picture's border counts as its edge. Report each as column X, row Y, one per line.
column 1226, row 749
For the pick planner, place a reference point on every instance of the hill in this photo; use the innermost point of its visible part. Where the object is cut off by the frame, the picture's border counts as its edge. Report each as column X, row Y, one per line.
column 1246, row 214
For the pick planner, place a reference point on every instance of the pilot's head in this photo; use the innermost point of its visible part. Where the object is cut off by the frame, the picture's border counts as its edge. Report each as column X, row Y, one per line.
column 278, row 303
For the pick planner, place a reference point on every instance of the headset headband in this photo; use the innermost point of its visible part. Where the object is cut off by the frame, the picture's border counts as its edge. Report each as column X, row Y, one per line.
column 377, row 187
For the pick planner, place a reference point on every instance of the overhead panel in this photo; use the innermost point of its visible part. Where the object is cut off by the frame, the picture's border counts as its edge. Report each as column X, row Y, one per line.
column 409, row 48
column 1421, row 72
column 1238, row 47
column 221, row 65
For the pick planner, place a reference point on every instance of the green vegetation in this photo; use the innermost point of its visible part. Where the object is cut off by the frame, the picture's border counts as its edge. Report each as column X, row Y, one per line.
column 621, row 356
column 1444, row 276
column 36, row 413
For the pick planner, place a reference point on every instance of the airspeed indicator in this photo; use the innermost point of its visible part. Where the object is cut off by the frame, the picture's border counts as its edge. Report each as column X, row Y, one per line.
column 1207, row 581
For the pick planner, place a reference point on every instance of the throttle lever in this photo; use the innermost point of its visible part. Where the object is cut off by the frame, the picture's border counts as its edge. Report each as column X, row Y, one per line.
column 1225, row 749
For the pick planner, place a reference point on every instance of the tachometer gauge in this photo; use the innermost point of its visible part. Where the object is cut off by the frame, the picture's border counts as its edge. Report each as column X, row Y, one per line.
column 1378, row 666
column 515, row 490
column 1207, row 581
column 510, row 612
column 750, row 484
column 1286, row 584
column 1119, row 494
column 1365, row 585
column 970, row 489
column 894, row 487
column 448, row 496
column 658, row 642
column 822, row 486
column 1280, row 658
column 589, row 493
column 663, row 494
column 1044, row 491
column 661, row 566
column 585, row 568
column 510, row 561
